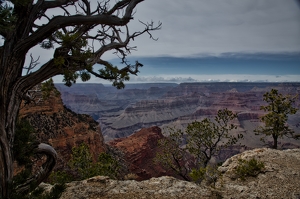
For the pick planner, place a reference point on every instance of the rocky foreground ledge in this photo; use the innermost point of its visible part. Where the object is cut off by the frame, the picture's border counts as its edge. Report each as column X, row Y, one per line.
column 280, row 179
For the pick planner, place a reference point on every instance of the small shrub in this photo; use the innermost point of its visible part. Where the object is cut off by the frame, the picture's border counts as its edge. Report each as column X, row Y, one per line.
column 197, row 175
column 82, row 164
column 249, row 168
column 60, row 177
column 208, row 174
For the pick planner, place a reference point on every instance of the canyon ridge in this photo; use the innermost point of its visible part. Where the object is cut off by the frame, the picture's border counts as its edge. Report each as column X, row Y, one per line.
column 120, row 113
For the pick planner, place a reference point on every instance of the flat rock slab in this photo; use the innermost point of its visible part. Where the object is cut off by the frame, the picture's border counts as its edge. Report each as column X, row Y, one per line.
column 279, row 179
column 158, row 188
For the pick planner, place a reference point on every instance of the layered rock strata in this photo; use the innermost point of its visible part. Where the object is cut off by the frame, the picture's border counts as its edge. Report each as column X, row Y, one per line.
column 62, row 128
column 122, row 112
column 140, row 149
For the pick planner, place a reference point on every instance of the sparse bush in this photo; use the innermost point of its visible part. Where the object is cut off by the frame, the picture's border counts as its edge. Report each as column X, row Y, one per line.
column 60, row 177
column 208, row 174
column 82, row 166
column 171, row 156
column 108, row 166
column 205, row 139
column 198, row 175
column 81, row 161
column 188, row 152
column 250, row 167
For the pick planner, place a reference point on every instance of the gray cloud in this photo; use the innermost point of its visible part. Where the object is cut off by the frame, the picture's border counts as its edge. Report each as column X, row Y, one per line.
column 217, row 78
column 218, row 26
column 213, row 27
column 161, row 79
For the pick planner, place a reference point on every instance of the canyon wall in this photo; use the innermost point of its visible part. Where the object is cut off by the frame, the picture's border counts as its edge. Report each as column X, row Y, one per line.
column 122, row 112
column 140, row 149
column 62, row 128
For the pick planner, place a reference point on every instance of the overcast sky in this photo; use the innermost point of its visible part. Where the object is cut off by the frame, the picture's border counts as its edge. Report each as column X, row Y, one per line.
column 219, row 40
column 194, row 27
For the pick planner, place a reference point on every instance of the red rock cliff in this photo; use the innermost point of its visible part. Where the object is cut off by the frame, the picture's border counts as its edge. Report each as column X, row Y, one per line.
column 62, row 128
column 140, row 149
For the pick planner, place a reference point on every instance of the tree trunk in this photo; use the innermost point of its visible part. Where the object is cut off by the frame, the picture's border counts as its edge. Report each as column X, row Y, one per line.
column 45, row 169
column 6, row 158
column 5, row 165
column 275, row 140
column 11, row 92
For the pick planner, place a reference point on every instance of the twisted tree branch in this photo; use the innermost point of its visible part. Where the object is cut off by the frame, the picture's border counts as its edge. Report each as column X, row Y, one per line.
column 45, row 169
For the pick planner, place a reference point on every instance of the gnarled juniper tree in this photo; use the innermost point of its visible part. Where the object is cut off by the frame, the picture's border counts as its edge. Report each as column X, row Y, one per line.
column 77, row 34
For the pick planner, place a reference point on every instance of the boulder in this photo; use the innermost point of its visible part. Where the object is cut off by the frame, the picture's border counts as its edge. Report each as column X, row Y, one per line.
column 280, row 177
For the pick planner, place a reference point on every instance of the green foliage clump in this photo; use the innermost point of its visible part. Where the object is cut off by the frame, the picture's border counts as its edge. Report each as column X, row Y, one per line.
column 209, row 174
column 72, row 56
column 197, row 175
column 250, row 167
column 108, row 166
column 115, row 75
column 60, row 177
column 82, row 166
column 47, row 88
column 23, row 143
column 7, row 19
column 81, row 161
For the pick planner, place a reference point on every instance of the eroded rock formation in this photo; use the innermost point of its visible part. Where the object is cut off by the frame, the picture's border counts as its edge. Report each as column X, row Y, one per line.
column 122, row 112
column 62, row 128
column 140, row 149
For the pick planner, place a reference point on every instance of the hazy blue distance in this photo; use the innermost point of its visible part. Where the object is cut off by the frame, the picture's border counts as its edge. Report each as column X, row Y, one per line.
column 262, row 64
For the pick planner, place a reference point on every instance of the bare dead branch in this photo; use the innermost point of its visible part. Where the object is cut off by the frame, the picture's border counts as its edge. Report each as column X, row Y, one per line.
column 54, row 4
column 33, row 63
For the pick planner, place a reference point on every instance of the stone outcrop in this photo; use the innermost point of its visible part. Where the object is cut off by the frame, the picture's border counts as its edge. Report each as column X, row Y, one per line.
column 155, row 188
column 62, row 128
column 140, row 149
column 279, row 179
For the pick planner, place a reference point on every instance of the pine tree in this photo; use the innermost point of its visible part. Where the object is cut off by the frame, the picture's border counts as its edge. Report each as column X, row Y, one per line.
column 278, row 108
